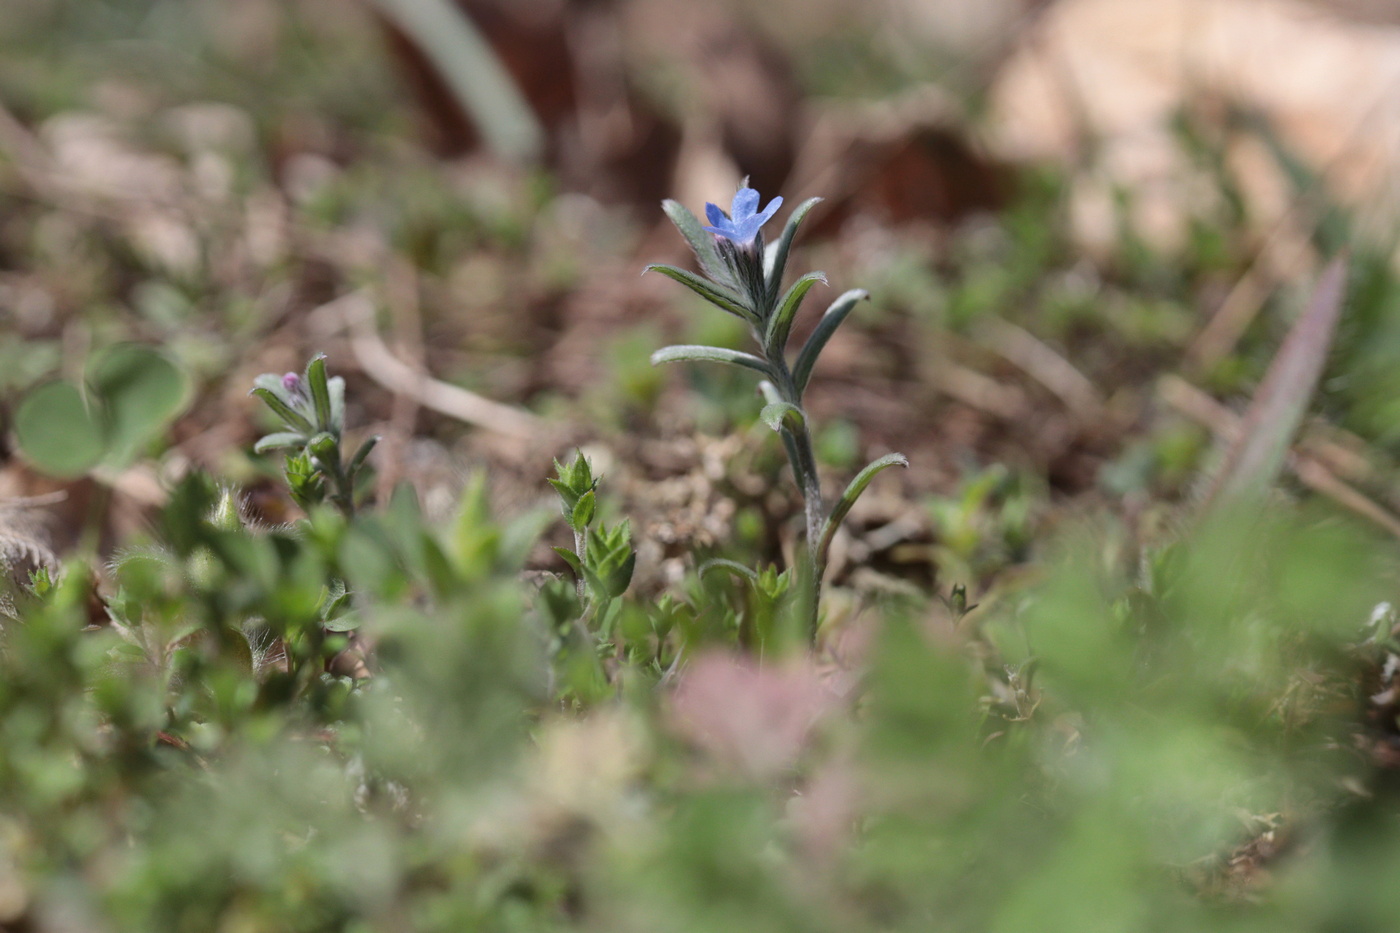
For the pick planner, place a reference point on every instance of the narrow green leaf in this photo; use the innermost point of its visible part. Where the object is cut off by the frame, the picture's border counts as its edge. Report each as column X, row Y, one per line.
column 807, row 358
column 336, row 386
column 780, row 324
column 362, row 453
column 279, row 441
column 718, row 295
column 320, row 392
column 289, row 415
column 568, row 498
column 849, row 497
column 733, row 567
column 273, row 383
column 779, row 415
column 700, row 239
column 776, row 259
column 473, row 72
column 695, row 353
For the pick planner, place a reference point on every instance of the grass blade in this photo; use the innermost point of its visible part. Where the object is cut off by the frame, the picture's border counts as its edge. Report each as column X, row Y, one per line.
column 470, row 68
column 1257, row 455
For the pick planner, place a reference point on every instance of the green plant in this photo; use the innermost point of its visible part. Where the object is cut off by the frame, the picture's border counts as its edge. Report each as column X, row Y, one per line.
column 745, row 279
column 129, row 395
column 311, row 408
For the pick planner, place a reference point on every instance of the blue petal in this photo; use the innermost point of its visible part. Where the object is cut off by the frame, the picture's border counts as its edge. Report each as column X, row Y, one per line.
column 715, row 214
column 745, row 202
column 768, row 212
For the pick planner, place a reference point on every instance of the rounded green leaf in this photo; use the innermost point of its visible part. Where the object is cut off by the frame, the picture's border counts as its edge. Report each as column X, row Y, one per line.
column 141, row 391
column 56, row 431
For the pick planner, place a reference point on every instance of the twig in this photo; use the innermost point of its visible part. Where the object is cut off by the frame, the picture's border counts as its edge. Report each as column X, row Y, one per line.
column 402, row 285
column 356, row 311
column 1047, row 367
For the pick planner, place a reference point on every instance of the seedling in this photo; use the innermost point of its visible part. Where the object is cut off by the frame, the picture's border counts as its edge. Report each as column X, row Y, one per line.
column 312, row 410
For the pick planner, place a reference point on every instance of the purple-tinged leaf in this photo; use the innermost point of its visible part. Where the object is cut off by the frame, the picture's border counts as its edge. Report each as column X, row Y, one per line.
column 1257, row 455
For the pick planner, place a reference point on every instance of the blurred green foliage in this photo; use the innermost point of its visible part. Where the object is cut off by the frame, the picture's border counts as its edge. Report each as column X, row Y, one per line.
column 131, row 393
column 1086, row 755
column 369, row 720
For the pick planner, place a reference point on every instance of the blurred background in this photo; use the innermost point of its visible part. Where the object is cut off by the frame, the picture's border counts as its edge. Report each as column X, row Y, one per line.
column 1086, row 226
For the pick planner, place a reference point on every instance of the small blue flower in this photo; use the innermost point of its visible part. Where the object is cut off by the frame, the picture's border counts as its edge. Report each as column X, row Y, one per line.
column 742, row 228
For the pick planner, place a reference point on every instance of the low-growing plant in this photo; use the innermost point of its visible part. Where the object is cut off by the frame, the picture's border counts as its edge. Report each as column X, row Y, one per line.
column 129, row 394
column 311, row 407
column 743, row 277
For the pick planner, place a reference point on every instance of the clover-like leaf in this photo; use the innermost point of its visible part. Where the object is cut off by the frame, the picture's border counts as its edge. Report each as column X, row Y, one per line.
column 140, row 391
column 56, row 430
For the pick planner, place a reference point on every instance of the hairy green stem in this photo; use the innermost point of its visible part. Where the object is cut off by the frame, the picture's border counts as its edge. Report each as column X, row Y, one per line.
column 804, row 469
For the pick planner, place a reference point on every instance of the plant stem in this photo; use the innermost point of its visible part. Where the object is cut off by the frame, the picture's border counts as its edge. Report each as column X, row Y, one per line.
column 816, row 517
column 580, row 542
column 804, row 469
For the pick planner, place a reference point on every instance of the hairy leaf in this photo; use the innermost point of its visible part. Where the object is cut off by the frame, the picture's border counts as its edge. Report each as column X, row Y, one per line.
column 700, row 239
column 320, row 392
column 780, row 325
column 292, row 417
column 718, row 295
column 849, row 497
column 780, row 415
column 776, row 259
column 807, row 358
column 696, row 353
column 279, row 441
